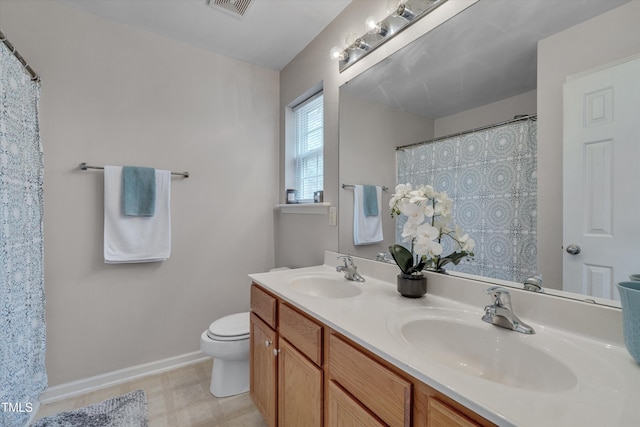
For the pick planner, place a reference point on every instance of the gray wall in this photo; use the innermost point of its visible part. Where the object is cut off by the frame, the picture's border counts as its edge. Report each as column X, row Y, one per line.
column 369, row 134
column 606, row 38
column 302, row 239
column 115, row 95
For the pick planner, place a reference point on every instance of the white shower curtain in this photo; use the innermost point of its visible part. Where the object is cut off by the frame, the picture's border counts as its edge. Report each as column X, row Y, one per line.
column 491, row 177
column 22, row 323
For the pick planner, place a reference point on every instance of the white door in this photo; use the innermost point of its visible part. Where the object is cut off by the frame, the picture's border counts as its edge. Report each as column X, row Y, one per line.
column 601, row 211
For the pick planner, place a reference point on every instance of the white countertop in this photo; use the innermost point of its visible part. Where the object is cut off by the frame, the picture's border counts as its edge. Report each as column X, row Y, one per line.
column 604, row 392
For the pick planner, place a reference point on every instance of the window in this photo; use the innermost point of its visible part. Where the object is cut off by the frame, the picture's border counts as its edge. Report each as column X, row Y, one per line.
column 309, row 137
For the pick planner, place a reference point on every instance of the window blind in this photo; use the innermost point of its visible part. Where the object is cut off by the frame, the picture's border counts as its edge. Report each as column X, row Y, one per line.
column 309, row 119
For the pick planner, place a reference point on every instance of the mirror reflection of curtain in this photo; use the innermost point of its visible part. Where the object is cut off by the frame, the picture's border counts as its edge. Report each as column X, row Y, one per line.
column 491, row 176
column 22, row 323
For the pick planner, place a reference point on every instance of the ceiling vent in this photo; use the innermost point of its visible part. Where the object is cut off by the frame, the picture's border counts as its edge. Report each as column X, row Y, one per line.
column 237, row 8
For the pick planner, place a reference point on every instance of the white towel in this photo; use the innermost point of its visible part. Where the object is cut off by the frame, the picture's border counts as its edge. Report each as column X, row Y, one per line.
column 366, row 229
column 129, row 239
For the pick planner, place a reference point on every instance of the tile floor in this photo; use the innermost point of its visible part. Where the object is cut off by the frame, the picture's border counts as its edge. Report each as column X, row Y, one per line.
column 177, row 398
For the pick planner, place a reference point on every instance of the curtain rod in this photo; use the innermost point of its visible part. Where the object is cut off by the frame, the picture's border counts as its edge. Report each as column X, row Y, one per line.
column 85, row 166
column 34, row 76
column 515, row 119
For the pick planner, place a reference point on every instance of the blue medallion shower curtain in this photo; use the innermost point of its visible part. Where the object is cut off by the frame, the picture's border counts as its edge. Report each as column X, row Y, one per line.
column 22, row 321
column 491, row 176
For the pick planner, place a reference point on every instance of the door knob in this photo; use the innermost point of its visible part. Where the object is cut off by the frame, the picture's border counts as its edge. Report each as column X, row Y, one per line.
column 573, row 249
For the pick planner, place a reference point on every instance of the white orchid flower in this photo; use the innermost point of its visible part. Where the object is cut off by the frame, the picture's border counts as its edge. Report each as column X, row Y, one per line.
column 428, row 232
column 413, row 212
column 428, row 210
column 427, row 247
column 417, row 197
column 468, row 245
column 429, row 191
column 409, row 231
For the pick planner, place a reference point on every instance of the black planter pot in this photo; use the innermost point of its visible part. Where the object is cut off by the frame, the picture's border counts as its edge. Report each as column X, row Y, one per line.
column 412, row 285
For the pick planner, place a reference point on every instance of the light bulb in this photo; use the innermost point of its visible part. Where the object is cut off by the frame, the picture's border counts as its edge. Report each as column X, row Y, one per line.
column 350, row 39
column 376, row 27
column 371, row 23
column 339, row 54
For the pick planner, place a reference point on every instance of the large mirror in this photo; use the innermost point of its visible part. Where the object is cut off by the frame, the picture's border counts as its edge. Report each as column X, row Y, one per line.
column 482, row 67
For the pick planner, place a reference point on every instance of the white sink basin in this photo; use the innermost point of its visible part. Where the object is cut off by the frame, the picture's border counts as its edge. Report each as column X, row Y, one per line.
column 462, row 341
column 324, row 285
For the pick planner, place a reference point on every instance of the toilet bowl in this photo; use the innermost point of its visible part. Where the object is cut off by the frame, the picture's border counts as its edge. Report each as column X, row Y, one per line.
column 227, row 341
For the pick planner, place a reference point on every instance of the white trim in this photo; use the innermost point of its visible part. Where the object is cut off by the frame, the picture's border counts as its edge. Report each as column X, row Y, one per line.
column 34, row 412
column 86, row 385
column 601, row 67
column 305, row 208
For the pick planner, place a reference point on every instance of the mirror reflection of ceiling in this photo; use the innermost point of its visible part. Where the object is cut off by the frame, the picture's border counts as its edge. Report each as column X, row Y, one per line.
column 485, row 54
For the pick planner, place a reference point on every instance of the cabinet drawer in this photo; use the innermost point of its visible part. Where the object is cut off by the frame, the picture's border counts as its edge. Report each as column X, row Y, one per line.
column 302, row 332
column 382, row 391
column 442, row 415
column 264, row 305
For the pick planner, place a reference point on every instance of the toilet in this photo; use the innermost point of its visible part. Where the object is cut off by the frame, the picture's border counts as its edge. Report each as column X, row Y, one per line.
column 227, row 341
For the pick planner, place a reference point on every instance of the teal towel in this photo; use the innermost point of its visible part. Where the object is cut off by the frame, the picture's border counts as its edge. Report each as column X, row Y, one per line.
column 138, row 191
column 370, row 200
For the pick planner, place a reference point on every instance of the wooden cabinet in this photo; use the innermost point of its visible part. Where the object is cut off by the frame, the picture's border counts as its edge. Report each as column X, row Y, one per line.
column 299, row 389
column 433, row 409
column 442, row 415
column 287, row 379
column 383, row 392
column 263, row 375
column 345, row 411
column 296, row 360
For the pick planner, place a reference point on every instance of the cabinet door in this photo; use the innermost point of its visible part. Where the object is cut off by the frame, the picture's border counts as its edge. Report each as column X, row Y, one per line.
column 299, row 389
column 264, row 366
column 344, row 411
column 442, row 415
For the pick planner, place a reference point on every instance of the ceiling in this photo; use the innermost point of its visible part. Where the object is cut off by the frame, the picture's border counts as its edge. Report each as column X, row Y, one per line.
column 485, row 54
column 271, row 33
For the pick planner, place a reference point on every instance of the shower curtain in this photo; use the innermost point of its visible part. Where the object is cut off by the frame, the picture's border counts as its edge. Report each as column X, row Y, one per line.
column 491, row 177
column 22, row 322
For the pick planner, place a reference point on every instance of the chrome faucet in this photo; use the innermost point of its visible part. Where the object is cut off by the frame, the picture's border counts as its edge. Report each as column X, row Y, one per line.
column 500, row 313
column 349, row 268
column 382, row 257
column 533, row 283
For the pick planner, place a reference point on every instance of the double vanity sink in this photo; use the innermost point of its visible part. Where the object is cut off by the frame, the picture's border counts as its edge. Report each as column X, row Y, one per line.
column 552, row 377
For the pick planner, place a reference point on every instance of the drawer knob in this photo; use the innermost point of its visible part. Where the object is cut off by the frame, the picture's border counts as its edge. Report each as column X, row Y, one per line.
column 276, row 351
column 267, row 343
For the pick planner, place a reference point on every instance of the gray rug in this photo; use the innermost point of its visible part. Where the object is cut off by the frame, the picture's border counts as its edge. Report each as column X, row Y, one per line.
column 128, row 410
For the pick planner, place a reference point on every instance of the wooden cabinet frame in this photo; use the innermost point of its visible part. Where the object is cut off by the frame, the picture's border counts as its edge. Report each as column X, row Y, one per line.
column 344, row 393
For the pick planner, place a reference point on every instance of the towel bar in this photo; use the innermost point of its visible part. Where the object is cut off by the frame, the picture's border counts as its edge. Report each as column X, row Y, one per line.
column 85, row 166
column 384, row 187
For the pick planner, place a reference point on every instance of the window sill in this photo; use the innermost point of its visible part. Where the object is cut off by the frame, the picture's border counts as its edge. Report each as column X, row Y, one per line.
column 305, row 208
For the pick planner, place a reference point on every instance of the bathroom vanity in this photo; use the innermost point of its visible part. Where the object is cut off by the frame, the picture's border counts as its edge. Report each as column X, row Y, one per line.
column 327, row 351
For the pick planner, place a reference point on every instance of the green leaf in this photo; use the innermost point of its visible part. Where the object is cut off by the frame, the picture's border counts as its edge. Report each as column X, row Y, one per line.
column 455, row 258
column 402, row 257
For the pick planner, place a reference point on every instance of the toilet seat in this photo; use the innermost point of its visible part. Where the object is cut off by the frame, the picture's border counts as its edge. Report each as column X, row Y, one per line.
column 234, row 327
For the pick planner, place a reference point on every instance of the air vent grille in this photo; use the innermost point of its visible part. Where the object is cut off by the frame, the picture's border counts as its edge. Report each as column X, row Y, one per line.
column 237, row 8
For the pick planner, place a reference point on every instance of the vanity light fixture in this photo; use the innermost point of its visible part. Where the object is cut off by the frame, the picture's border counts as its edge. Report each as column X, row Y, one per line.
column 361, row 44
column 403, row 14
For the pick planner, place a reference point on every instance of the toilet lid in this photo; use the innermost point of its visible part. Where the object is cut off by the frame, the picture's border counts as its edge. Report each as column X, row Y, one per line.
column 230, row 328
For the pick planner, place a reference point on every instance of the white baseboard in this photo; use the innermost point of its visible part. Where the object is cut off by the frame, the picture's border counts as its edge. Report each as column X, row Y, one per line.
column 74, row 388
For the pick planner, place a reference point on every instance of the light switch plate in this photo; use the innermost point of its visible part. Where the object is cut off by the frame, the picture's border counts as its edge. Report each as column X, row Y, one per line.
column 333, row 216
